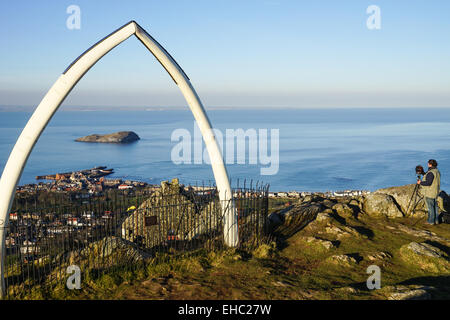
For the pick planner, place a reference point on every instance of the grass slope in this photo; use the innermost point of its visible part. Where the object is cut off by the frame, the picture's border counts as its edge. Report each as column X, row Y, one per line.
column 291, row 269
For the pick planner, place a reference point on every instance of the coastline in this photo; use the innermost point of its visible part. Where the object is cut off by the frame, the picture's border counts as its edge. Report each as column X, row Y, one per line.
column 341, row 161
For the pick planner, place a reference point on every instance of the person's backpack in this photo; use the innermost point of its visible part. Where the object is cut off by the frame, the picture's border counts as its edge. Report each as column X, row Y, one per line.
column 445, row 217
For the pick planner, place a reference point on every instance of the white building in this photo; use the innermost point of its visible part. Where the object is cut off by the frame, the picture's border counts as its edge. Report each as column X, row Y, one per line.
column 124, row 187
column 29, row 247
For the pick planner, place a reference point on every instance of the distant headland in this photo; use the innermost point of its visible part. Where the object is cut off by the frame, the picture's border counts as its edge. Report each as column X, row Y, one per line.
column 117, row 137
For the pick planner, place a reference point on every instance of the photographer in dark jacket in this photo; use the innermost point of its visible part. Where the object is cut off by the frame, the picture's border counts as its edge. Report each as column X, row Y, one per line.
column 431, row 185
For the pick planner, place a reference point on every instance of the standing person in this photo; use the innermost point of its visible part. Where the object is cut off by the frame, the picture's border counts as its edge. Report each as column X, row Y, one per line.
column 431, row 185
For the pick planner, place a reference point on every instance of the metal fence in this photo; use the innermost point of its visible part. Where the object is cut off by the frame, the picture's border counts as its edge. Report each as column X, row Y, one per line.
column 49, row 231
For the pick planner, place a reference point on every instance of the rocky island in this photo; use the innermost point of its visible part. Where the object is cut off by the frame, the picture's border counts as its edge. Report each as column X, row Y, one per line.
column 117, row 137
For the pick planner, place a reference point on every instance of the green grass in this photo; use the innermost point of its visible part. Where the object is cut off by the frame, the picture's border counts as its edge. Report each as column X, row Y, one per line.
column 291, row 269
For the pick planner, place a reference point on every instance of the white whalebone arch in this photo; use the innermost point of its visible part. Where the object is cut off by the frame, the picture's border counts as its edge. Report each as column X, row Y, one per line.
column 59, row 91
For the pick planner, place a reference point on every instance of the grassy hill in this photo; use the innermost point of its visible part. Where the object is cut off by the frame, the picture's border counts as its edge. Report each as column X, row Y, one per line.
column 327, row 259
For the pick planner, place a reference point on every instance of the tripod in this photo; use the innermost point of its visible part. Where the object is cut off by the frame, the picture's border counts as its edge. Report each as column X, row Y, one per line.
column 415, row 199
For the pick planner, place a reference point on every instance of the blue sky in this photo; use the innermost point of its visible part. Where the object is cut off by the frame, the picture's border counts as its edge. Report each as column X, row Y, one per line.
column 270, row 53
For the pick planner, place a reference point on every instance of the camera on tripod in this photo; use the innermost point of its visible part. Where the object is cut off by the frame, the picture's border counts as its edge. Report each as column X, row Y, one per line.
column 415, row 197
column 419, row 171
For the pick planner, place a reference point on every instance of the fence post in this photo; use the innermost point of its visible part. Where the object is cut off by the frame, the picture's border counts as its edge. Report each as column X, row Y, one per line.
column 230, row 223
column 3, row 224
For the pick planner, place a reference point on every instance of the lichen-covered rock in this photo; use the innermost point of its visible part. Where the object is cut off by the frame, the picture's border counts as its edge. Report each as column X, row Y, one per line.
column 329, row 203
column 355, row 202
column 324, row 243
column 108, row 252
column 171, row 214
column 114, row 246
column 426, row 257
column 403, row 196
column 323, row 216
column 298, row 217
column 342, row 260
column 381, row 205
column 342, row 231
column 346, row 290
column 337, row 232
column 379, row 256
column 424, row 234
column 426, row 250
column 343, row 209
column 413, row 292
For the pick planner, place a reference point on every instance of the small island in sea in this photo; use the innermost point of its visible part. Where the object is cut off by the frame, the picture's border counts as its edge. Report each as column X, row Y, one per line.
column 117, row 137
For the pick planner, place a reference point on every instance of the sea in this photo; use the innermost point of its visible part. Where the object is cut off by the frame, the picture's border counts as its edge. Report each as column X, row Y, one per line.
column 314, row 150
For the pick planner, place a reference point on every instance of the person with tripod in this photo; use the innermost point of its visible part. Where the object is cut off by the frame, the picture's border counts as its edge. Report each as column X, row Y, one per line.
column 431, row 185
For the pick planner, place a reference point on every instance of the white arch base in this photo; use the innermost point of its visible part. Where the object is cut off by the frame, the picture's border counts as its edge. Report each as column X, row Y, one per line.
column 59, row 91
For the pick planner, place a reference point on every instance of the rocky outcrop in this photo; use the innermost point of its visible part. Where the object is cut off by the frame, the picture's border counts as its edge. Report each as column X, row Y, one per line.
column 347, row 234
column 323, row 243
column 379, row 256
column 296, row 218
column 379, row 205
column 343, row 209
column 117, row 137
column 115, row 246
column 425, row 234
column 324, row 216
column 413, row 292
column 107, row 252
column 425, row 249
column 403, row 197
column 342, row 231
column 344, row 260
column 425, row 256
column 171, row 214
column 408, row 204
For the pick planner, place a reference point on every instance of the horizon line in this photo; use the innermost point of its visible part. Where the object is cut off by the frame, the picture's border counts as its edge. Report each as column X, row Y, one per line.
column 29, row 108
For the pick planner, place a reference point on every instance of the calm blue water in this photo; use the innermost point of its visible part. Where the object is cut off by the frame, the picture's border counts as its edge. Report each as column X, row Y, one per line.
column 320, row 150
